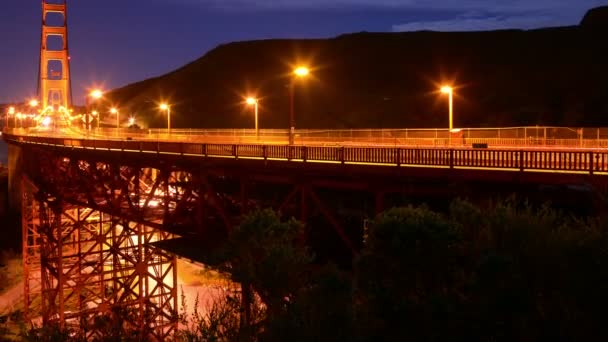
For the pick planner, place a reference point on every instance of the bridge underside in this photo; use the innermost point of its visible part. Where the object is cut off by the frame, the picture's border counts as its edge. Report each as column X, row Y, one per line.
column 96, row 218
column 87, row 269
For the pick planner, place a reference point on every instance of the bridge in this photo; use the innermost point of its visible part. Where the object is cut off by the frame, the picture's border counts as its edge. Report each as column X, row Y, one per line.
column 106, row 211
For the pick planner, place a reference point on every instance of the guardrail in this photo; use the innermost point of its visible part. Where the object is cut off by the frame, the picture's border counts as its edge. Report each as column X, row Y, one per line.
column 575, row 161
column 394, row 137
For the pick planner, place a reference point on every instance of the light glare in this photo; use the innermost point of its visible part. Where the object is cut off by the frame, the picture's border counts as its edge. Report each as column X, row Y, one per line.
column 301, row 71
column 47, row 121
column 96, row 94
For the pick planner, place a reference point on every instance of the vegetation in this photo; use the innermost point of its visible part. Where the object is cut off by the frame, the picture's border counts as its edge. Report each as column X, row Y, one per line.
column 510, row 272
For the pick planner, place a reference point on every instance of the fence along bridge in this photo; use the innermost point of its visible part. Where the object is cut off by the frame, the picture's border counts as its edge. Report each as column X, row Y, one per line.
column 97, row 205
column 341, row 147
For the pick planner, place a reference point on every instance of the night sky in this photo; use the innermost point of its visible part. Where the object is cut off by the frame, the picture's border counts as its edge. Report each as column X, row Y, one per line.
column 117, row 42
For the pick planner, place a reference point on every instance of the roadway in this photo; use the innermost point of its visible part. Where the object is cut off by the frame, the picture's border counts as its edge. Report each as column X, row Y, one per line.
column 272, row 145
column 335, row 138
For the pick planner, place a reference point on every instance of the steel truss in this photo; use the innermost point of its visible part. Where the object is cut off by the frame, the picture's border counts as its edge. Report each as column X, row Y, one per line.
column 90, row 264
column 109, row 208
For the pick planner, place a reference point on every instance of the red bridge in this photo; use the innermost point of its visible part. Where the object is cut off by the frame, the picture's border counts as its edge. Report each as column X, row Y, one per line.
column 98, row 204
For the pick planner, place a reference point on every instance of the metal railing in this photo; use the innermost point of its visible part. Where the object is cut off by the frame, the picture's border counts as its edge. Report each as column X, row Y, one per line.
column 511, row 137
column 574, row 161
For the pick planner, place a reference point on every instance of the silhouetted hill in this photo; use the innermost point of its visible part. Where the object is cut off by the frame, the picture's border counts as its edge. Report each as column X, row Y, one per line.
column 556, row 76
column 596, row 18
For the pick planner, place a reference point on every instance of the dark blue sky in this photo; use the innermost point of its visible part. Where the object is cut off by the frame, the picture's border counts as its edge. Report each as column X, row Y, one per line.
column 116, row 42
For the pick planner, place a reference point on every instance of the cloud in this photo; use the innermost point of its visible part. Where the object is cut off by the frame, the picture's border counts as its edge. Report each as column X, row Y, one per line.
column 473, row 21
column 464, row 15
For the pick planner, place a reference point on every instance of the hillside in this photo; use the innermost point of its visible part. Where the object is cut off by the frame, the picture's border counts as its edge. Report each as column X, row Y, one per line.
column 553, row 76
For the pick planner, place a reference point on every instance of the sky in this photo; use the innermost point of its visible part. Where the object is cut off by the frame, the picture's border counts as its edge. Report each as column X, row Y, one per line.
column 117, row 42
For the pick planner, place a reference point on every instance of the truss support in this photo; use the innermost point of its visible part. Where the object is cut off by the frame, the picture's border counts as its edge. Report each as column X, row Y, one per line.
column 83, row 263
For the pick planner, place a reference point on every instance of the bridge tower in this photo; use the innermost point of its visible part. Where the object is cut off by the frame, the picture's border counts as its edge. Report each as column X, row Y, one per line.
column 54, row 84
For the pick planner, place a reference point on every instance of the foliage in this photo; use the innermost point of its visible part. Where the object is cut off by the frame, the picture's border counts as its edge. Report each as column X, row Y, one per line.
column 320, row 311
column 407, row 275
column 220, row 323
column 263, row 252
column 507, row 272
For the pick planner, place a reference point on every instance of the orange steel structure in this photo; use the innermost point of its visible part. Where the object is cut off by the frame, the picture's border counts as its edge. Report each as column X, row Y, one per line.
column 83, row 263
column 54, row 85
column 127, row 197
column 87, row 269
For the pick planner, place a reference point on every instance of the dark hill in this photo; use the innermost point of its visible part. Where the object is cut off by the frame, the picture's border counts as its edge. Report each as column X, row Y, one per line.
column 596, row 18
column 556, row 76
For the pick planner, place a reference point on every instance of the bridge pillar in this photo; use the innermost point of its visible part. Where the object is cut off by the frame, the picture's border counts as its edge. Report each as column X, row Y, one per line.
column 54, row 85
column 84, row 263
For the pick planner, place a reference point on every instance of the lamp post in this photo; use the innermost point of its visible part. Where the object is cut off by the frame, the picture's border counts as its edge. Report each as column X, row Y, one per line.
column 166, row 107
column 299, row 72
column 95, row 94
column 254, row 102
column 450, row 91
column 33, row 103
column 11, row 111
column 95, row 113
column 115, row 112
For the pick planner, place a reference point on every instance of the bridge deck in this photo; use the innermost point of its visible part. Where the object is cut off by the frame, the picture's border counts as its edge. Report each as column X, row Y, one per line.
column 510, row 158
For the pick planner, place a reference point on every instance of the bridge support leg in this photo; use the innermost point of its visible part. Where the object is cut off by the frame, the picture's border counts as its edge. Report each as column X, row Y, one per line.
column 82, row 264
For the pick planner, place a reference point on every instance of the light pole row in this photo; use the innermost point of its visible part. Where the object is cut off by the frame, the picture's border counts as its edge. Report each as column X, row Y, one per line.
column 299, row 72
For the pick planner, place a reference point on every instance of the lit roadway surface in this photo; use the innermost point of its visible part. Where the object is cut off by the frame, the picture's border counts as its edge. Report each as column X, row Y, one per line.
column 338, row 147
column 308, row 137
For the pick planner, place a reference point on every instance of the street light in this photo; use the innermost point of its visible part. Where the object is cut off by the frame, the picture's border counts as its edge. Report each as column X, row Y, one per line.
column 95, row 113
column 254, row 102
column 11, row 111
column 166, row 107
column 450, row 91
column 131, row 121
column 34, row 103
column 95, row 94
column 115, row 112
column 299, row 72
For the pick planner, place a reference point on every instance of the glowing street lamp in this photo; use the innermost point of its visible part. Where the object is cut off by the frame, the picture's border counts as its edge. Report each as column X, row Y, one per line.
column 11, row 111
column 115, row 112
column 167, row 108
column 47, row 121
column 95, row 95
column 299, row 72
column 448, row 90
column 95, row 115
column 131, row 121
column 254, row 102
column 33, row 103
